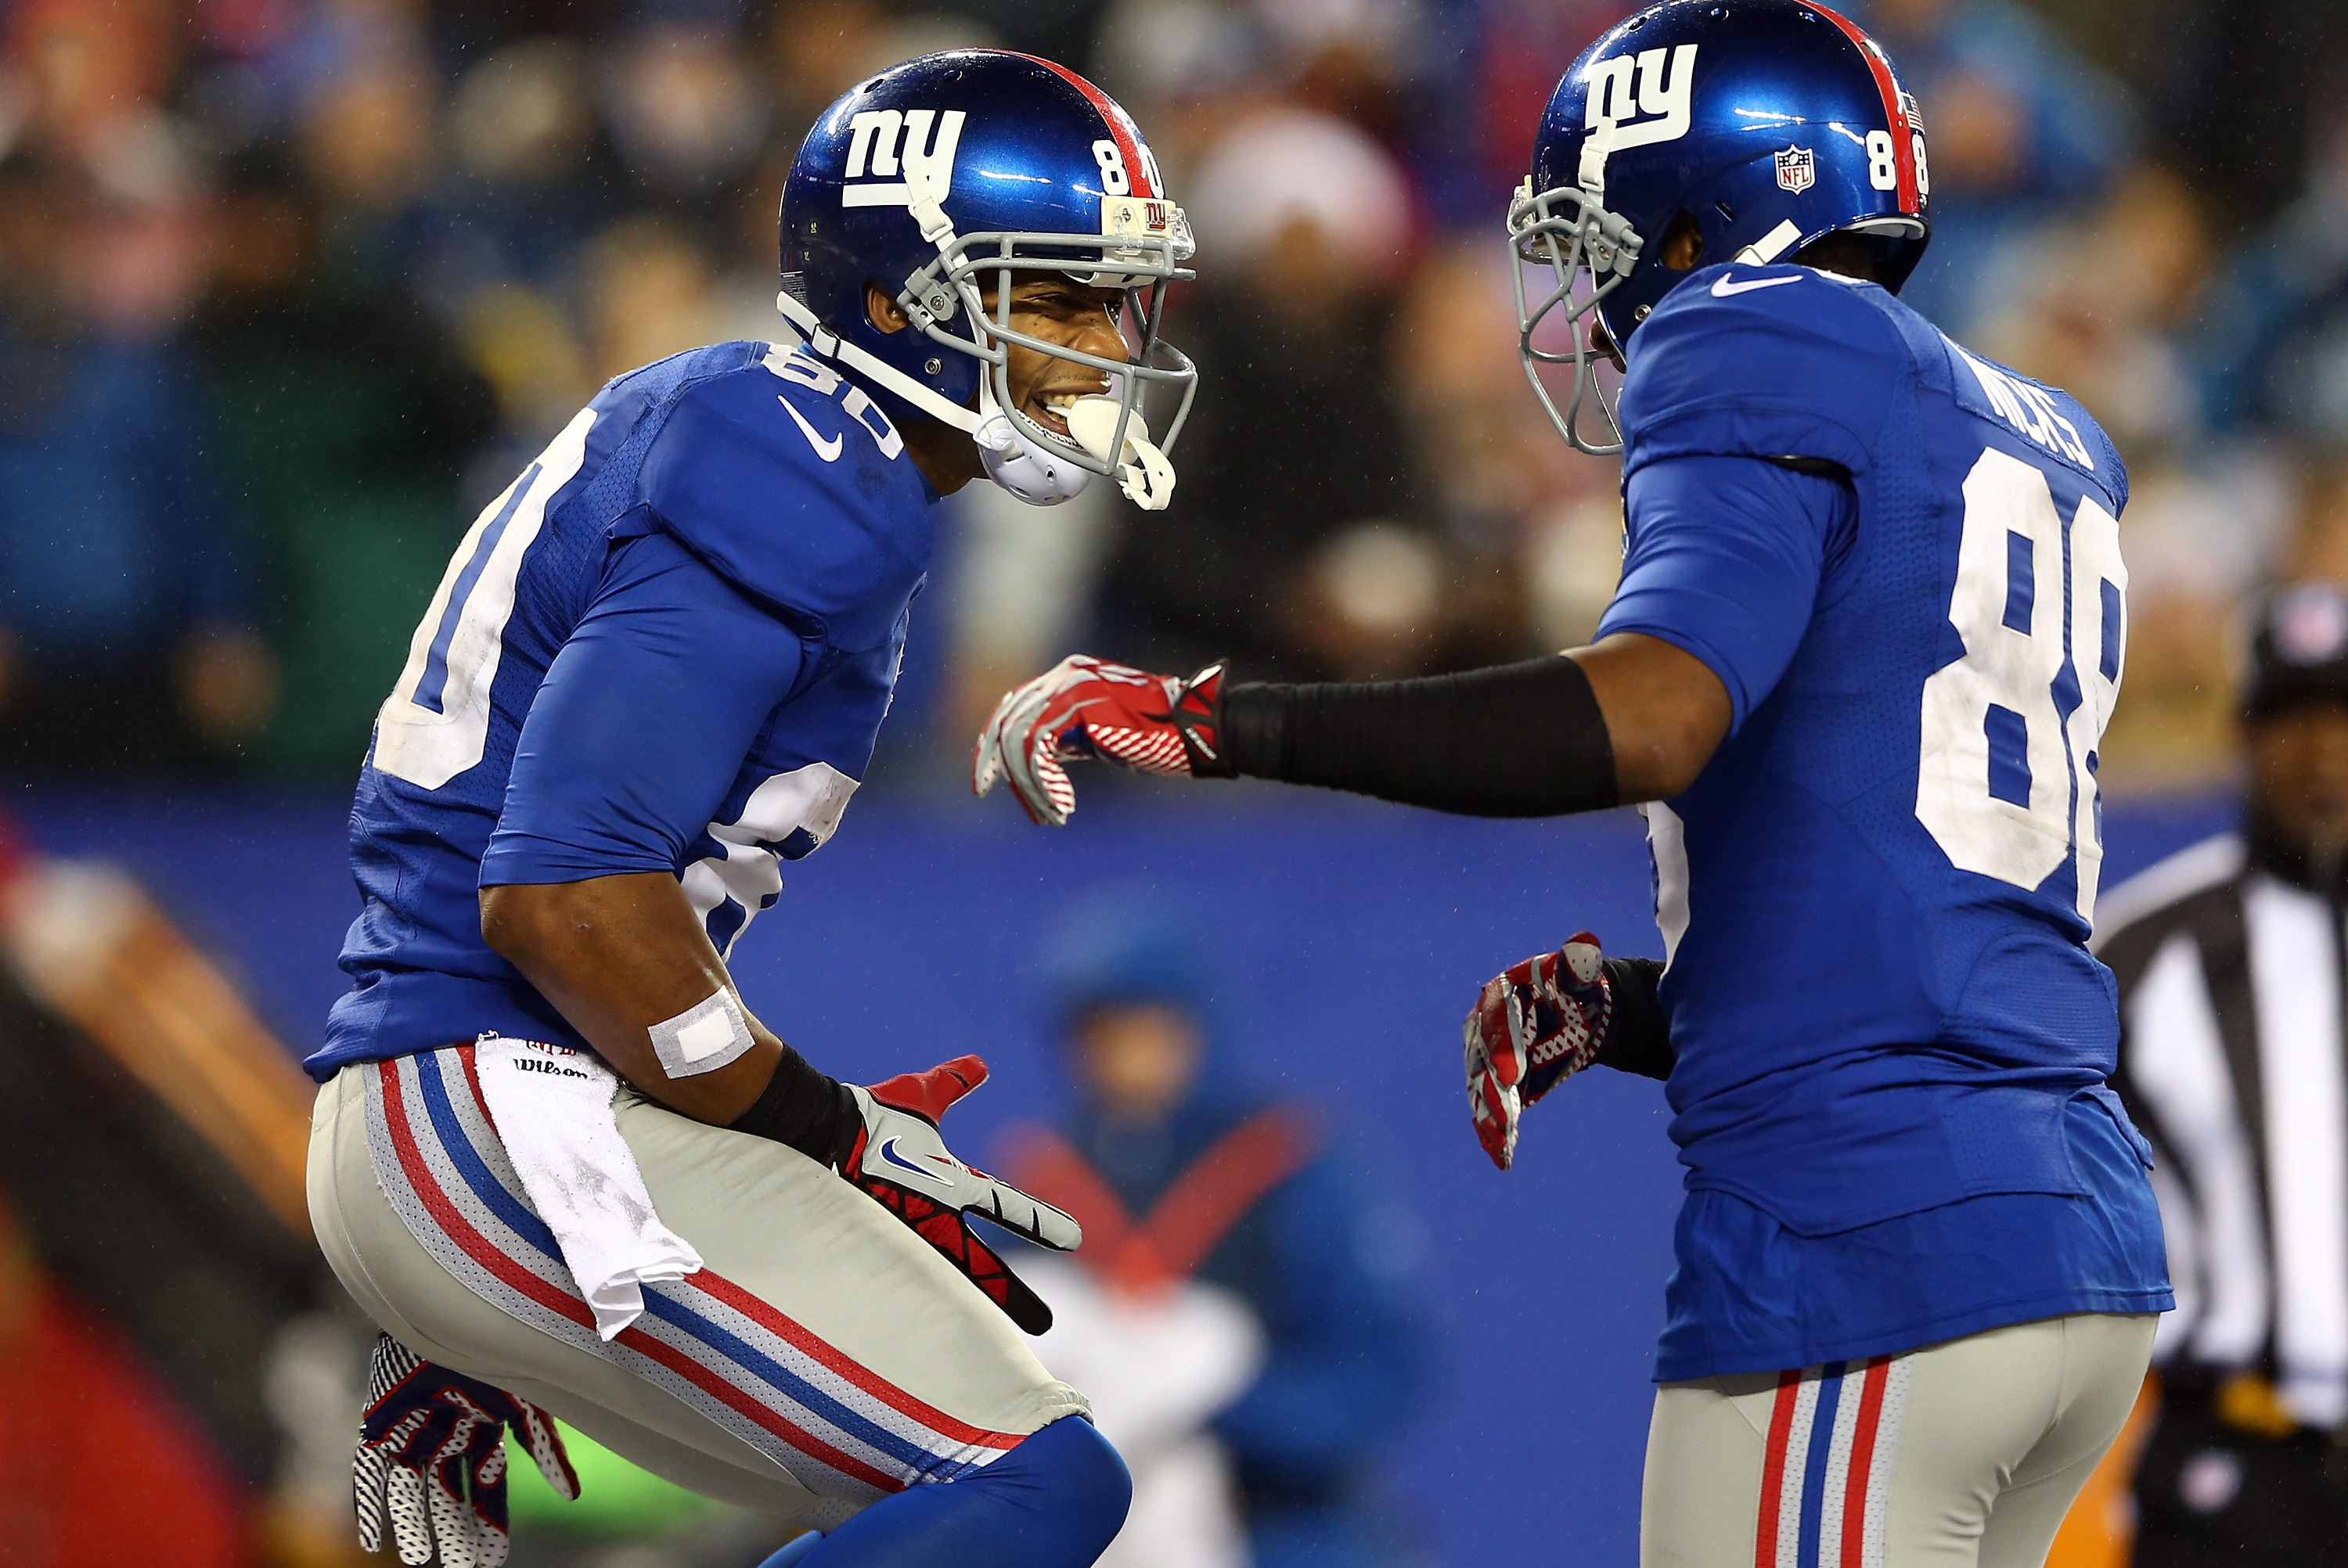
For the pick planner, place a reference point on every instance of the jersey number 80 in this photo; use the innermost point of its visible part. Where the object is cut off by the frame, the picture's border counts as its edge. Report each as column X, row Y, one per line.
column 2006, row 777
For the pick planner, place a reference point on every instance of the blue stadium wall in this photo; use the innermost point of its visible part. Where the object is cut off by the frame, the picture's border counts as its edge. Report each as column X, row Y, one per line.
column 1350, row 938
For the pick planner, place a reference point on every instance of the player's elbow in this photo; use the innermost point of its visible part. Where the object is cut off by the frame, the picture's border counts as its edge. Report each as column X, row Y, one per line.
column 523, row 922
column 1665, row 759
column 1665, row 711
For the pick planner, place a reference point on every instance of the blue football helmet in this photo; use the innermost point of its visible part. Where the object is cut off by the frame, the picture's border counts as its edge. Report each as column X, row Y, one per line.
column 950, row 175
column 1769, row 123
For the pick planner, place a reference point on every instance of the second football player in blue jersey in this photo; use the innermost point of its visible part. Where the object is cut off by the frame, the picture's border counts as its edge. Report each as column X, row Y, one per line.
column 653, row 675
column 1868, row 631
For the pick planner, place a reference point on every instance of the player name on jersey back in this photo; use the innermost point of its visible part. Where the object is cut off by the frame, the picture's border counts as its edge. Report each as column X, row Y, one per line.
column 2030, row 408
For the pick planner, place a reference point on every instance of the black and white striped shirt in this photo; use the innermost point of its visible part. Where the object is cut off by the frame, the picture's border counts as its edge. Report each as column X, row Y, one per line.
column 2234, row 1061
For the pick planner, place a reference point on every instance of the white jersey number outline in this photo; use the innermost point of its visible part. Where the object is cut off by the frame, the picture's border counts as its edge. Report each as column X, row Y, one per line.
column 436, row 722
column 2004, row 784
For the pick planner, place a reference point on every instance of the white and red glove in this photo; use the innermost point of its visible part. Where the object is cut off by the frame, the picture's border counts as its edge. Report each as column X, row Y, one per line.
column 431, row 1460
column 896, row 1156
column 1085, row 707
column 1533, row 1026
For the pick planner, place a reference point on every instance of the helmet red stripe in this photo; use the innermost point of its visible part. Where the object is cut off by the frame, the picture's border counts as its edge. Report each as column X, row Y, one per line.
column 1895, row 110
column 1120, row 129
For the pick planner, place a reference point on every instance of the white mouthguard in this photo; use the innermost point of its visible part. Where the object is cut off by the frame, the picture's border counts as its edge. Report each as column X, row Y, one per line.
column 1142, row 471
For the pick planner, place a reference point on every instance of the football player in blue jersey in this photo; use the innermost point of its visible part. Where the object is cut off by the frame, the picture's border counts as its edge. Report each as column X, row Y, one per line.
column 1867, row 633
column 651, row 675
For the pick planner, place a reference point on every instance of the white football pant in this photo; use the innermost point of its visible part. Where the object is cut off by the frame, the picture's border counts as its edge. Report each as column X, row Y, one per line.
column 1961, row 1455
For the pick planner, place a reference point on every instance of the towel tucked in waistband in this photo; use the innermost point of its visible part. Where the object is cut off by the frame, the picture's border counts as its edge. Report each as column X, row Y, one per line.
column 553, row 1108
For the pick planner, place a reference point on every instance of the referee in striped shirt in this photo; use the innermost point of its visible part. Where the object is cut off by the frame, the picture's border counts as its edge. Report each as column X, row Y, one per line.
column 2234, row 1061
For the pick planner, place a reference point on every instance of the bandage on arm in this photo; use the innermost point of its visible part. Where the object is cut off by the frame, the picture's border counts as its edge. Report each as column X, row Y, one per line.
column 629, row 746
column 627, row 962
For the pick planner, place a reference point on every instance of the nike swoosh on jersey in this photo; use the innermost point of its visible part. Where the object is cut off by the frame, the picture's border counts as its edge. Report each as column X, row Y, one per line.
column 888, row 1155
column 826, row 450
column 1724, row 287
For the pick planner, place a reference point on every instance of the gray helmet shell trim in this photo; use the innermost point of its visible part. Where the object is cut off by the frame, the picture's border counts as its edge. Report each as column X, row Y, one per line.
column 928, row 295
column 1571, row 231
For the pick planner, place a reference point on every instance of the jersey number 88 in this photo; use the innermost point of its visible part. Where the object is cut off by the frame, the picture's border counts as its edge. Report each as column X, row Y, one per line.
column 2006, row 776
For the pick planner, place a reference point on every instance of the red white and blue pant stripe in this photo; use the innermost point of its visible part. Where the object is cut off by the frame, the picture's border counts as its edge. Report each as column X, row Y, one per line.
column 838, row 1427
column 1833, row 1432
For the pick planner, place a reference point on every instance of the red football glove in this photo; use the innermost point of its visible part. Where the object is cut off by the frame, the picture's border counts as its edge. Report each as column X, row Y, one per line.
column 896, row 1156
column 1533, row 1026
column 1083, row 707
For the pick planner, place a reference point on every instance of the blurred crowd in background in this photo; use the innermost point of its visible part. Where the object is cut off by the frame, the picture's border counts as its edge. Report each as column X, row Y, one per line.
column 289, row 287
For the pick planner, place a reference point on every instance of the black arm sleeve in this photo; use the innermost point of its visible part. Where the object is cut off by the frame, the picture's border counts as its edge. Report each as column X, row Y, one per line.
column 1639, row 1039
column 1516, row 740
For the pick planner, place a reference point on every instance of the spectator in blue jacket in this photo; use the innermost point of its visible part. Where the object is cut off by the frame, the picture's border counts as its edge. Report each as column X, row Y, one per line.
column 1167, row 1122
column 2020, row 126
column 126, row 640
column 2274, row 343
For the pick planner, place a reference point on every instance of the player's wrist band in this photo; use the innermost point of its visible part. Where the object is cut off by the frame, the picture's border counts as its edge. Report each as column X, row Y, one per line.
column 1638, row 1037
column 801, row 1106
column 1516, row 740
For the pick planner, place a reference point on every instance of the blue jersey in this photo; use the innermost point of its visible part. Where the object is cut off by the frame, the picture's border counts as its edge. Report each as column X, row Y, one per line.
column 668, row 646
column 1903, row 563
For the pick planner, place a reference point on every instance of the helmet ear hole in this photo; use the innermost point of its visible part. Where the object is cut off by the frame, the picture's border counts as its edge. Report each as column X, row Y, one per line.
column 1682, row 248
column 880, row 308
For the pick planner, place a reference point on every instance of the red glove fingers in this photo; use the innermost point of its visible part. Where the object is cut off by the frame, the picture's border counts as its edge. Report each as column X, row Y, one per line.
column 1533, row 1025
column 1087, row 707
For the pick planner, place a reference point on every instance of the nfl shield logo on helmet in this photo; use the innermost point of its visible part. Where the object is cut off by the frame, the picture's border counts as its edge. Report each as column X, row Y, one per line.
column 1797, row 169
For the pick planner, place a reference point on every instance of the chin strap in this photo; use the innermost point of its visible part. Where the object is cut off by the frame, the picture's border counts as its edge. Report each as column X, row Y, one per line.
column 828, row 345
column 1595, row 147
column 1027, row 469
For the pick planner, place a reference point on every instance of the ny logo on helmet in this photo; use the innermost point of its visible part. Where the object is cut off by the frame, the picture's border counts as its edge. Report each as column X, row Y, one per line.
column 1797, row 169
column 902, row 150
column 1664, row 92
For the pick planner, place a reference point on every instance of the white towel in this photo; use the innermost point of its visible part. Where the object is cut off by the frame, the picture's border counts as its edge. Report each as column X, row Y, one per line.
column 552, row 1106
